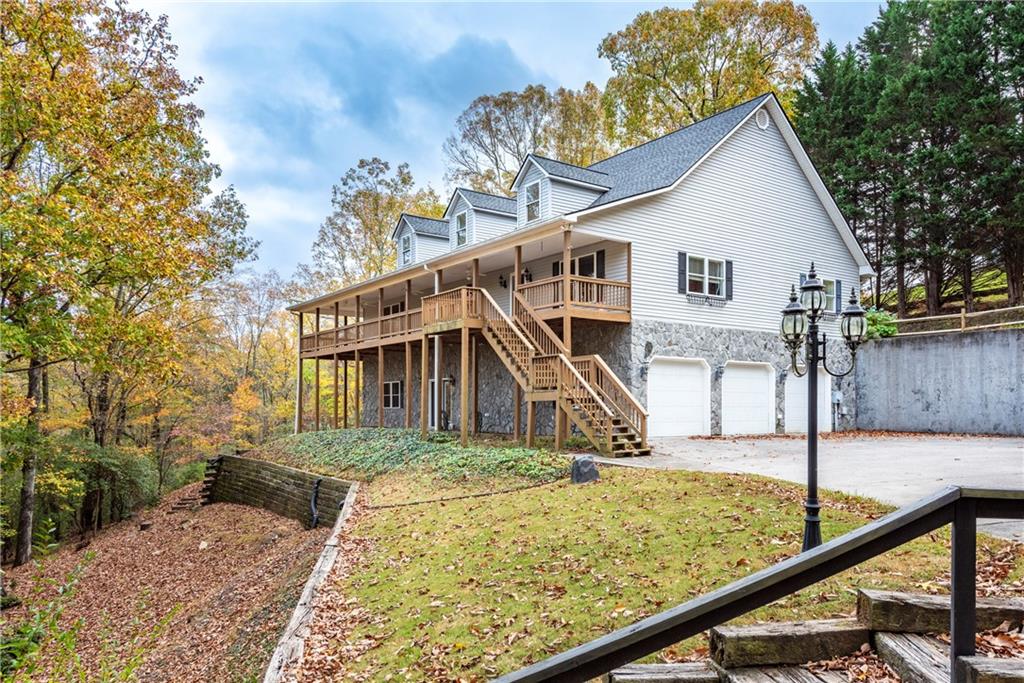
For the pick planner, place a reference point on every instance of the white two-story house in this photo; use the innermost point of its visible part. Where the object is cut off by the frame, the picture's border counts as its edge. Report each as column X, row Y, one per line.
column 635, row 298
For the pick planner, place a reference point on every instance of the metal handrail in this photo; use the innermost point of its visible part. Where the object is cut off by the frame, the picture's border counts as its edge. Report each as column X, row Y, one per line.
column 960, row 506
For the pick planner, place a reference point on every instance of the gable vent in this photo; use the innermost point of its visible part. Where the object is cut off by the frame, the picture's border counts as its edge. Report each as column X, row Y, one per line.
column 762, row 119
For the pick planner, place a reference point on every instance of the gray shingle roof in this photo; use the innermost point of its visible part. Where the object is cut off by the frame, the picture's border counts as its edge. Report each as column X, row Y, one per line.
column 560, row 169
column 489, row 202
column 660, row 162
column 421, row 225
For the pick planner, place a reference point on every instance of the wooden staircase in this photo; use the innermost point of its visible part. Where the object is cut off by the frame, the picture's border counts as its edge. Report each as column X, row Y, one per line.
column 592, row 396
column 898, row 627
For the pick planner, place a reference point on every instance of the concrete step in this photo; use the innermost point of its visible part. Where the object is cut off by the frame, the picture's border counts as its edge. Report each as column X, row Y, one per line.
column 795, row 642
column 989, row 670
column 916, row 658
column 917, row 613
column 688, row 672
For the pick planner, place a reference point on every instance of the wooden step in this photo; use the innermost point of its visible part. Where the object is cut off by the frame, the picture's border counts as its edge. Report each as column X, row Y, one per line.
column 989, row 670
column 917, row 613
column 783, row 674
column 916, row 658
column 795, row 642
column 688, row 672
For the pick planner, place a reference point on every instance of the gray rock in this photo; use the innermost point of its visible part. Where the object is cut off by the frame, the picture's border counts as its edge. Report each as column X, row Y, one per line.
column 584, row 470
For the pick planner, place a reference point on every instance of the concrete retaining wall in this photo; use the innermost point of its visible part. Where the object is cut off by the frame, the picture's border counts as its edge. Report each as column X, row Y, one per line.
column 958, row 382
column 283, row 490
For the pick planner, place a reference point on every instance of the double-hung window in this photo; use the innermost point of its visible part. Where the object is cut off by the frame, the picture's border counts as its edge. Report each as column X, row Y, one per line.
column 705, row 276
column 393, row 394
column 460, row 229
column 533, row 201
column 392, row 309
column 830, row 295
column 406, row 250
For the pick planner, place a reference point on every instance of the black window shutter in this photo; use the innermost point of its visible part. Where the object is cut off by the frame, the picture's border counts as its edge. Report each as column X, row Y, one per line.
column 728, row 280
column 555, row 269
column 839, row 296
column 599, row 265
column 682, row 272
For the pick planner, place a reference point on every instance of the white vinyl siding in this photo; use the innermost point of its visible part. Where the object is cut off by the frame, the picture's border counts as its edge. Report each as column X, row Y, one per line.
column 748, row 202
column 461, row 207
column 405, row 252
column 533, row 175
column 567, row 198
column 487, row 225
column 426, row 247
column 614, row 261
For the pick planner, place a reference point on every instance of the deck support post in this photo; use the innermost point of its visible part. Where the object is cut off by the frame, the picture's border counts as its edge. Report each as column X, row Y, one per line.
column 562, row 425
column 380, row 386
column 517, row 410
column 358, row 391
column 560, row 420
column 474, row 376
column 963, row 582
column 298, row 382
column 408, row 385
column 344, row 389
column 316, row 373
column 334, row 421
column 424, row 386
column 464, row 387
column 475, row 273
column 531, row 422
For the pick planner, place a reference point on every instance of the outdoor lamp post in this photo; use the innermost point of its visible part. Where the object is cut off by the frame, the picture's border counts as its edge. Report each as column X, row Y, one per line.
column 800, row 328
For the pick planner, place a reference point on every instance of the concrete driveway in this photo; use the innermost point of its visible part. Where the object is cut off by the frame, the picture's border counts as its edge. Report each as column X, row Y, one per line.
column 892, row 469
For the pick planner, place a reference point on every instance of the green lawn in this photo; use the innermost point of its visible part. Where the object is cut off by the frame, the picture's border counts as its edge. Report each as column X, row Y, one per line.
column 470, row 588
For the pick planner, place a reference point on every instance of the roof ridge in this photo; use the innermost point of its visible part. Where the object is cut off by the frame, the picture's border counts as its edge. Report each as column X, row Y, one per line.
column 680, row 129
column 426, row 218
column 486, row 194
column 566, row 163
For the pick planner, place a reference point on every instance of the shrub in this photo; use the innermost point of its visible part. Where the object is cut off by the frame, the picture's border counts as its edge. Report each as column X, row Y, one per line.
column 881, row 324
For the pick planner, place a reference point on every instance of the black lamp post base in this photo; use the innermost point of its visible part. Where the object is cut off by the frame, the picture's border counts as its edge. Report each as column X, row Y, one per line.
column 812, row 525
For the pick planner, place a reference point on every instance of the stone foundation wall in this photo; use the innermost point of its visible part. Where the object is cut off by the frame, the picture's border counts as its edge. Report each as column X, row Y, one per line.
column 282, row 490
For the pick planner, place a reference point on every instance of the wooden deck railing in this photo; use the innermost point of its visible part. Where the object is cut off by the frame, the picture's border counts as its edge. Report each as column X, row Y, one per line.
column 584, row 292
column 377, row 329
column 536, row 329
column 607, row 384
column 462, row 303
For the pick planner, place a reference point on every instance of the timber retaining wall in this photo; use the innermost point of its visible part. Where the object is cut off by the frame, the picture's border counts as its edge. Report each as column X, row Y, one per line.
column 282, row 490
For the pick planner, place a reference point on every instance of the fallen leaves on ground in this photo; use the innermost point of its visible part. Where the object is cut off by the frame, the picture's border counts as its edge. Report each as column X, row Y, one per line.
column 232, row 573
column 860, row 666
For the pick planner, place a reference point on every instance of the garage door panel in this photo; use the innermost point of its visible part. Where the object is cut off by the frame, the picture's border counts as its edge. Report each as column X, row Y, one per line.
column 748, row 399
column 677, row 397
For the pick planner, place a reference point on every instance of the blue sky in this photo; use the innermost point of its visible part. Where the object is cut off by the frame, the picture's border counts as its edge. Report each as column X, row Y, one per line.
column 295, row 94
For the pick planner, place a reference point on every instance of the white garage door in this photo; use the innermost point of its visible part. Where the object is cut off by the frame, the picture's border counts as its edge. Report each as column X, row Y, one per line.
column 678, row 397
column 748, row 398
column 796, row 402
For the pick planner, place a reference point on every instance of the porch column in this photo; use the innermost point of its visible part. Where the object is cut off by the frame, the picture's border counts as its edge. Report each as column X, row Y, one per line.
column 517, row 391
column 316, row 375
column 344, row 389
column 298, row 382
column 567, row 289
column 424, row 385
column 438, row 384
column 475, row 276
column 408, row 384
column 464, row 387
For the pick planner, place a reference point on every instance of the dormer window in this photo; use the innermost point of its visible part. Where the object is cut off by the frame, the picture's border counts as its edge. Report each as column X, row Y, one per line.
column 460, row 229
column 406, row 250
column 533, row 201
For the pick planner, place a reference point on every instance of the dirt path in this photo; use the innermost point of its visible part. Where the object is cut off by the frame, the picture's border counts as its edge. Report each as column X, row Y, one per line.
column 228, row 575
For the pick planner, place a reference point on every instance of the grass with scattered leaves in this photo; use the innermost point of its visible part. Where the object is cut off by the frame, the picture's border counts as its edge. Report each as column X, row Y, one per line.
column 471, row 588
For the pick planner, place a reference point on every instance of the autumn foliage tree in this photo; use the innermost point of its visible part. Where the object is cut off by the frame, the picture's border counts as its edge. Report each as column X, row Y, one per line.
column 105, row 194
column 672, row 67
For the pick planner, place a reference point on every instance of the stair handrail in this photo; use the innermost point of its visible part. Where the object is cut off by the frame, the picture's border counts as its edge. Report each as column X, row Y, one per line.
column 634, row 404
column 500, row 314
column 550, row 339
column 566, row 363
column 961, row 506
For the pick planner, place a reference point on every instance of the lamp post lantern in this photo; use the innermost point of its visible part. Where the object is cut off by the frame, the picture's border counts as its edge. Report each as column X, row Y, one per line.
column 799, row 328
